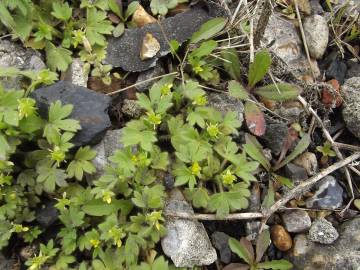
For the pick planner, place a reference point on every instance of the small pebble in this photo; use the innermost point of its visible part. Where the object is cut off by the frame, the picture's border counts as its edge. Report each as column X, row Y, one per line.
column 322, row 231
column 296, row 220
column 308, row 161
column 281, row 238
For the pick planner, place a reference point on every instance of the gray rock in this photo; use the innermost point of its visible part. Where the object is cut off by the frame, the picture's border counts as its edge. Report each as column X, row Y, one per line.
column 351, row 106
column 275, row 135
column 47, row 215
column 105, row 149
column 296, row 221
column 343, row 254
column 76, row 73
column 308, row 161
column 225, row 103
column 15, row 55
column 186, row 242
column 316, row 7
column 336, row 70
column 328, row 195
column 220, row 241
column 252, row 229
column 131, row 108
column 255, row 198
column 316, row 32
column 295, row 173
column 146, row 75
column 287, row 45
column 90, row 109
column 8, row 264
column 353, row 69
column 323, row 232
column 124, row 51
column 292, row 114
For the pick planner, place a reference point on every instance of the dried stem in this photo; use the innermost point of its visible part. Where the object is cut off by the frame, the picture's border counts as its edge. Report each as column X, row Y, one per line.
column 306, row 185
column 262, row 23
column 303, row 38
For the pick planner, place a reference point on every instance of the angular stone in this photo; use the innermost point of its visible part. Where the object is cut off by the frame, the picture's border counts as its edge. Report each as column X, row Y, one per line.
column 76, row 74
column 105, row 149
column 336, row 70
column 225, row 103
column 308, row 161
column 186, row 242
column 328, row 195
column 146, row 75
column 47, row 215
column 287, row 45
column 124, row 51
column 295, row 173
column 220, row 241
column 343, row 254
column 90, row 109
column 296, row 221
column 316, row 32
column 14, row 55
column 323, row 232
column 275, row 135
column 351, row 107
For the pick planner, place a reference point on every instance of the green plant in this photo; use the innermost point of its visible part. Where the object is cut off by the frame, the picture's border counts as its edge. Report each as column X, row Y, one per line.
column 245, row 251
column 161, row 7
column 276, row 92
column 326, row 152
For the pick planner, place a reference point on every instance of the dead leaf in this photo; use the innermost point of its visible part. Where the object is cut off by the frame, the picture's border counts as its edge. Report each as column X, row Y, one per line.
column 141, row 17
column 149, row 47
column 255, row 120
column 329, row 98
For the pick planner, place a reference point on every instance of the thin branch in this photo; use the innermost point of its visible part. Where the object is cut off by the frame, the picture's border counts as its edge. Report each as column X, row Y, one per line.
column 140, row 83
column 347, row 146
column 306, row 185
column 304, row 39
column 262, row 23
column 331, row 140
column 235, row 216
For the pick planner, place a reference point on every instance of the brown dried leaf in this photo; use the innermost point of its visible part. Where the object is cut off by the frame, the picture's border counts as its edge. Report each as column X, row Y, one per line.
column 255, row 120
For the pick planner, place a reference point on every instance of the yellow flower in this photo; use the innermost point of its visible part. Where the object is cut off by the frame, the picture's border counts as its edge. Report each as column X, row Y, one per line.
column 165, row 90
column 197, row 69
column 200, row 100
column 195, row 168
column 213, row 130
column 107, row 196
column 154, row 118
column 228, row 178
column 57, row 155
column 95, row 242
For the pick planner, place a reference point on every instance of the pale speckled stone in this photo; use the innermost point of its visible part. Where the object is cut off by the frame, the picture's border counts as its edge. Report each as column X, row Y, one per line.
column 343, row 254
column 316, row 32
column 186, row 242
column 296, row 221
column 322, row 231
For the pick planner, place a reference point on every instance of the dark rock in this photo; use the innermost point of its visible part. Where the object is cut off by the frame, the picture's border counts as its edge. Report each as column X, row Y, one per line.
column 336, row 70
column 295, row 173
column 275, row 135
column 169, row 181
column 146, row 75
column 252, row 229
column 124, row 51
column 225, row 103
column 47, row 215
column 351, row 107
column 328, row 195
column 323, row 232
column 353, row 69
column 255, row 198
column 90, row 109
column 8, row 264
column 296, row 220
column 220, row 241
